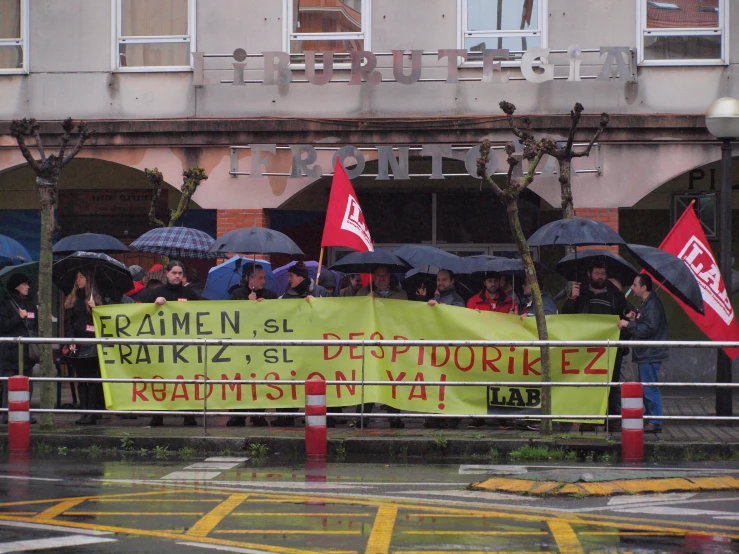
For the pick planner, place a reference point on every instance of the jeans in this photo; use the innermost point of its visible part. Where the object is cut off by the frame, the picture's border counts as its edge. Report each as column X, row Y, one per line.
column 649, row 373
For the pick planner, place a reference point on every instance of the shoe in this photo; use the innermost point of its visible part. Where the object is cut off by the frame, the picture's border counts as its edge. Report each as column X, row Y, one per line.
column 259, row 421
column 588, row 428
column 397, row 423
column 129, row 416
column 614, row 426
column 190, row 421
column 476, row 424
column 85, row 419
column 33, row 420
column 156, row 421
column 284, row 421
column 525, row 425
column 506, row 424
column 652, row 428
column 236, row 421
column 330, row 422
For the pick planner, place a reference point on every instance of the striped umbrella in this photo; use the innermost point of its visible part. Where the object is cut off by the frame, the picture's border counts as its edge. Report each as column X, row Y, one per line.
column 175, row 242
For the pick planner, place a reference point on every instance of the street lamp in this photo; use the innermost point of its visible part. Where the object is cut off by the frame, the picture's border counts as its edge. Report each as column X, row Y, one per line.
column 722, row 120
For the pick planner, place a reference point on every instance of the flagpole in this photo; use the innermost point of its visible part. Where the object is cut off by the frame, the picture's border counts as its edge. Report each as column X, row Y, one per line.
column 320, row 263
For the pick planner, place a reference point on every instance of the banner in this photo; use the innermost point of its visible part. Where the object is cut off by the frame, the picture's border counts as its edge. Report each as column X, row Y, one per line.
column 347, row 319
column 688, row 242
column 345, row 225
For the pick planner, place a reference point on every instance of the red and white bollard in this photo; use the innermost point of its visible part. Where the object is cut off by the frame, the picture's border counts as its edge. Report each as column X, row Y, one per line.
column 315, row 418
column 632, row 422
column 19, row 416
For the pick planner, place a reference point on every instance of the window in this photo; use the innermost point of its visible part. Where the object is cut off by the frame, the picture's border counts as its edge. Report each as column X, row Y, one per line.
column 705, row 209
column 683, row 32
column 515, row 25
column 13, row 36
column 339, row 26
column 154, row 35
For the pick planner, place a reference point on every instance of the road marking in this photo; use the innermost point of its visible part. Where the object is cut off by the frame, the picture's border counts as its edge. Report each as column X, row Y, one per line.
column 474, row 494
column 25, row 478
column 735, row 516
column 210, row 521
column 299, row 514
column 456, row 532
column 50, row 513
column 382, row 530
column 565, row 537
column 87, row 514
column 284, row 532
column 191, row 475
column 226, row 548
column 46, row 527
column 226, row 459
column 471, row 469
column 213, row 465
column 670, row 511
column 647, row 498
column 55, row 542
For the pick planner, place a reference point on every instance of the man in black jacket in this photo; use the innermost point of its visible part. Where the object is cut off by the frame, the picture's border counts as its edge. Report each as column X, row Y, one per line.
column 173, row 291
column 17, row 319
column 648, row 323
column 251, row 287
column 600, row 296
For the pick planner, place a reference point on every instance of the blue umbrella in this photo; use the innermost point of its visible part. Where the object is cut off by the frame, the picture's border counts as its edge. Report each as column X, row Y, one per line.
column 13, row 251
column 176, row 242
column 281, row 275
column 421, row 255
column 366, row 262
column 89, row 242
column 222, row 278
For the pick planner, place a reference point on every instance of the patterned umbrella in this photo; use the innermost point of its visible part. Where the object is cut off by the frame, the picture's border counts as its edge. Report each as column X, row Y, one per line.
column 176, row 242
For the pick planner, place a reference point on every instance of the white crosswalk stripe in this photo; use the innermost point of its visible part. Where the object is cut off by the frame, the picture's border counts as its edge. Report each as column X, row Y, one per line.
column 54, row 542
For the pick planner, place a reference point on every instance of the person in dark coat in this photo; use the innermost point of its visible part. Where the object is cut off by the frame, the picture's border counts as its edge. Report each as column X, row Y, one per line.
column 173, row 291
column 328, row 281
column 648, row 323
column 17, row 319
column 445, row 291
column 353, row 285
column 301, row 285
column 191, row 280
column 139, row 294
column 83, row 358
column 251, row 287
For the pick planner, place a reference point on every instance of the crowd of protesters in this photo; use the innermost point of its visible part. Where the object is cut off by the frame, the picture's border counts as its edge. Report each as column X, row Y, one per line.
column 158, row 285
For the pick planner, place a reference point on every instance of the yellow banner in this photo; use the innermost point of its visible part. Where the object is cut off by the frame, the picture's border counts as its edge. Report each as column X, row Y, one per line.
column 347, row 319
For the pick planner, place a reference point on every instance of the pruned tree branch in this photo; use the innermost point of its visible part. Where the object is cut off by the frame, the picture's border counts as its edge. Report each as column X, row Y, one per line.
column 19, row 130
column 84, row 134
column 156, row 179
column 604, row 119
column 191, row 180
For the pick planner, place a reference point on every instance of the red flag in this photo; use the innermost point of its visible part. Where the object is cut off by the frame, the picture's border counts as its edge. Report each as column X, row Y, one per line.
column 345, row 224
column 688, row 242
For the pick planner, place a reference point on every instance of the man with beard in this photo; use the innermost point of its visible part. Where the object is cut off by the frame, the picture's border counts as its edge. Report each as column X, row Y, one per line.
column 251, row 287
column 602, row 297
column 445, row 291
column 355, row 283
column 173, row 291
column 491, row 298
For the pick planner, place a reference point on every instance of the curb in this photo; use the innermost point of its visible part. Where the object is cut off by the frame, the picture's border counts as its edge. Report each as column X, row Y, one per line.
column 607, row 488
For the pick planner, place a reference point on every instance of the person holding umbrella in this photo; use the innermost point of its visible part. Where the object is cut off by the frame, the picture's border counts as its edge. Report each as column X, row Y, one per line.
column 17, row 319
column 380, row 286
column 301, row 285
column 83, row 358
column 173, row 290
column 445, row 291
column 648, row 323
column 353, row 286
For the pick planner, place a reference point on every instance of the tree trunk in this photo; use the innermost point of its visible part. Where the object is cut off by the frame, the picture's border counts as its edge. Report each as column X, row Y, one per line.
column 541, row 322
column 47, row 194
column 565, row 183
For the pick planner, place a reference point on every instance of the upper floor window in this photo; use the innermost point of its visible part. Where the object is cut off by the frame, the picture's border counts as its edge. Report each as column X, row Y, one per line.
column 154, row 35
column 339, row 26
column 683, row 32
column 13, row 36
column 515, row 25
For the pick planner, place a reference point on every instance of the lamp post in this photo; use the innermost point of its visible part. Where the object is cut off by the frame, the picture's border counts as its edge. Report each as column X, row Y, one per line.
column 722, row 121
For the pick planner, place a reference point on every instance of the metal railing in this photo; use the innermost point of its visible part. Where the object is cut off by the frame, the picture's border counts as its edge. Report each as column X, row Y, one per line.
column 362, row 383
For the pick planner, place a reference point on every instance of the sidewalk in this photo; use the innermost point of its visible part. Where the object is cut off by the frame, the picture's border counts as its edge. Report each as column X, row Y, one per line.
column 680, row 440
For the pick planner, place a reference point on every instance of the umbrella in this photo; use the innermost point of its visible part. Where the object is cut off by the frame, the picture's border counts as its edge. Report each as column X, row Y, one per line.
column 29, row 269
column 420, row 255
column 495, row 264
column 281, row 275
column 255, row 240
column 110, row 277
column 672, row 272
column 222, row 278
column 617, row 266
column 575, row 231
column 89, row 242
column 176, row 242
column 13, row 251
column 365, row 262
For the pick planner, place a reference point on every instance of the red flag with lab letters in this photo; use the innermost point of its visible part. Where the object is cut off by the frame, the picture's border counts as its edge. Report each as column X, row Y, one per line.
column 688, row 242
column 345, row 225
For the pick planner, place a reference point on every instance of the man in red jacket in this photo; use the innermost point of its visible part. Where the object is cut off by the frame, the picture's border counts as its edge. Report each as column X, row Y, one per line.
column 491, row 298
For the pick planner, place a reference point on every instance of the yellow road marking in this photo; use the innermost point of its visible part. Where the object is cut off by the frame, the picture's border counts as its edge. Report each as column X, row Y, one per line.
column 153, row 500
column 467, row 552
column 133, row 514
column 19, row 513
column 382, row 530
column 298, row 514
column 97, row 498
column 58, row 509
column 469, row 532
column 565, row 537
column 211, row 520
column 283, row 532
column 633, row 533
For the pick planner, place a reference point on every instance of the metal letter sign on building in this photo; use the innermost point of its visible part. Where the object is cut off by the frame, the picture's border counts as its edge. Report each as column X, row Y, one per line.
column 618, row 66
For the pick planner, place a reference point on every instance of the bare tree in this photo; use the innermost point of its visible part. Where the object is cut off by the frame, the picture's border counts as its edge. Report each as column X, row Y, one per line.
column 47, row 170
column 191, row 180
column 509, row 191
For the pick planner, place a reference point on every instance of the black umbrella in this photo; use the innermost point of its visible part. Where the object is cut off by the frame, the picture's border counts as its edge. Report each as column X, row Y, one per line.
column 672, row 272
column 495, row 264
column 422, row 255
column 365, row 262
column 617, row 266
column 575, row 231
column 89, row 242
column 255, row 240
column 109, row 277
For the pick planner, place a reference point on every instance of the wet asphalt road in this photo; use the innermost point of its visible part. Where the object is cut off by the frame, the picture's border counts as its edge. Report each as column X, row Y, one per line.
column 229, row 503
